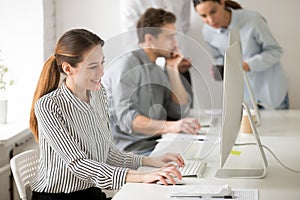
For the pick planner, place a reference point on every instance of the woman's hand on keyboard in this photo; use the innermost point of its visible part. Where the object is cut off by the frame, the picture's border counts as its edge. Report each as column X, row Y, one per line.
column 169, row 159
column 165, row 175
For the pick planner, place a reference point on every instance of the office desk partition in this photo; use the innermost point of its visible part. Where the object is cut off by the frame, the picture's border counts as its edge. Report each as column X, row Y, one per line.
column 279, row 130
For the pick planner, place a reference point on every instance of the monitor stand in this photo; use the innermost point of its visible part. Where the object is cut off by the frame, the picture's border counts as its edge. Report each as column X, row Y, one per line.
column 247, row 173
column 253, row 102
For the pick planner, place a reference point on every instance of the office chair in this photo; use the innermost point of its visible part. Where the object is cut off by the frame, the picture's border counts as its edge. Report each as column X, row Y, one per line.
column 23, row 167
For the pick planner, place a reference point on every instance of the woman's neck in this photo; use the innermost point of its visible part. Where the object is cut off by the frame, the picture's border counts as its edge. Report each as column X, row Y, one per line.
column 81, row 94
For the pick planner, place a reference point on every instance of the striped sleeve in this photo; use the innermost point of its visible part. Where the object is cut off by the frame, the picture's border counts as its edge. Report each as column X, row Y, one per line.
column 120, row 158
column 117, row 157
column 52, row 126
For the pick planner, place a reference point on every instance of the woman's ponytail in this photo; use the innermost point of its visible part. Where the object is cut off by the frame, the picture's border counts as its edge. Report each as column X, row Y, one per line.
column 48, row 81
column 232, row 4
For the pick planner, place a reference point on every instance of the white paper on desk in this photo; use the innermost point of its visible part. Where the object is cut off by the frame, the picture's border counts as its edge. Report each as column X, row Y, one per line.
column 245, row 194
column 239, row 194
column 181, row 137
column 197, row 190
column 183, row 144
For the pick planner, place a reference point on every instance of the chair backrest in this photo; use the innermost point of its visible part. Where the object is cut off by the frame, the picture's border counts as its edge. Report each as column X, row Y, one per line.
column 23, row 167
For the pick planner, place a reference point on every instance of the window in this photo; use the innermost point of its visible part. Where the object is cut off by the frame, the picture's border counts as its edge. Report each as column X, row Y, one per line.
column 21, row 44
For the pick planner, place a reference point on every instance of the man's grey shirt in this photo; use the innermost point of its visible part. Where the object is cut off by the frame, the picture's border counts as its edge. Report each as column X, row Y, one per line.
column 136, row 86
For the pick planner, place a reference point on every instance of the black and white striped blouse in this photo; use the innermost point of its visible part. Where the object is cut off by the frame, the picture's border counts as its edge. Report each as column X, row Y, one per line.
column 76, row 146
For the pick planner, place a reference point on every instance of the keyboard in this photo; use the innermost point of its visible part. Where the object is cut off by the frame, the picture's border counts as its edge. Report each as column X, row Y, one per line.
column 193, row 168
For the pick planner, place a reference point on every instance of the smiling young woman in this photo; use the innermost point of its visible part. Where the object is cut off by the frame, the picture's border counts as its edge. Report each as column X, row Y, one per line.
column 70, row 121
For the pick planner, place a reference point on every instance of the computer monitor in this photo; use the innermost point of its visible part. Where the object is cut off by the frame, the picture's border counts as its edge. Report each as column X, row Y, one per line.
column 233, row 104
column 233, row 37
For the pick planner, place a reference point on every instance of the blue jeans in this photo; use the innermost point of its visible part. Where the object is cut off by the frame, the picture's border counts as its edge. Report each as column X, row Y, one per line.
column 285, row 103
column 283, row 106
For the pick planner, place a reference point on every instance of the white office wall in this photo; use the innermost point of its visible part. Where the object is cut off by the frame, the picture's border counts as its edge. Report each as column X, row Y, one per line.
column 102, row 17
column 21, row 42
column 99, row 16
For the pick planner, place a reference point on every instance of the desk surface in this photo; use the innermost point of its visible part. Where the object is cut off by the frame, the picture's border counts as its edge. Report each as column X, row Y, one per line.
column 13, row 131
column 279, row 130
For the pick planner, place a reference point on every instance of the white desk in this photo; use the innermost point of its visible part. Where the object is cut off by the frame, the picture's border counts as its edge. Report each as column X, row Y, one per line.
column 14, row 131
column 279, row 130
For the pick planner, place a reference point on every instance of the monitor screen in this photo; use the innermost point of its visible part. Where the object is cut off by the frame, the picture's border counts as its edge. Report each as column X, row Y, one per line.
column 233, row 104
column 233, row 37
column 232, row 99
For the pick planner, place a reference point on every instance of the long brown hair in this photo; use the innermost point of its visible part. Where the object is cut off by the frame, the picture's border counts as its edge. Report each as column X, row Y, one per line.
column 70, row 48
column 228, row 3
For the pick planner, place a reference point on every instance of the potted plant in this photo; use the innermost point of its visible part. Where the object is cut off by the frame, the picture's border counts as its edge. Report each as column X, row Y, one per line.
column 4, row 82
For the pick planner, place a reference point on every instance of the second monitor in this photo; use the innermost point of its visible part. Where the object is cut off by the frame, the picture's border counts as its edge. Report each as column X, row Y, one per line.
column 233, row 104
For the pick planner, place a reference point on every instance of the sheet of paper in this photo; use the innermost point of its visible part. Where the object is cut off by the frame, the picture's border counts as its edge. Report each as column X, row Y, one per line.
column 245, row 194
column 194, row 191
column 181, row 137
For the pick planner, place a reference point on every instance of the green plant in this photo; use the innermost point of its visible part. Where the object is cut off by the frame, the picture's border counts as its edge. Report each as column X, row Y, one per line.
column 3, row 81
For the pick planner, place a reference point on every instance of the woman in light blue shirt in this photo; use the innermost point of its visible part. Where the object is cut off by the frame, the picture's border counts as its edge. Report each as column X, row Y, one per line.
column 261, row 52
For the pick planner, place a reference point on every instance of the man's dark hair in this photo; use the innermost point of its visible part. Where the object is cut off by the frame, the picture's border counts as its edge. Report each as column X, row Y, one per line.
column 153, row 18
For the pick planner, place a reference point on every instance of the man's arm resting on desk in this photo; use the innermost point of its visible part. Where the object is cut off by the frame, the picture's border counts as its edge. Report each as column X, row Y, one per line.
column 145, row 125
column 179, row 94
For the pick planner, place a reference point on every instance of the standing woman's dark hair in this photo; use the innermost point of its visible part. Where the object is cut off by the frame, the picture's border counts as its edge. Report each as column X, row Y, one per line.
column 70, row 49
column 228, row 3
